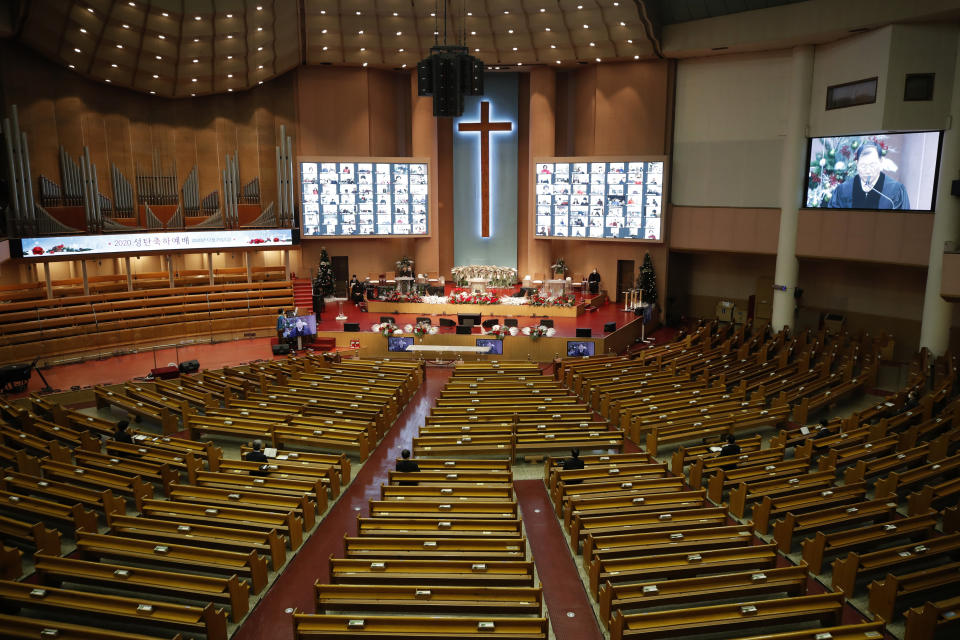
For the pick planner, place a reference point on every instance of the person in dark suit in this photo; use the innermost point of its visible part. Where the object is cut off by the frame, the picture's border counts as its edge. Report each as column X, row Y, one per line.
column 871, row 188
column 571, row 463
column 121, row 435
column 406, row 465
column 823, row 430
column 912, row 401
column 257, row 455
column 731, row 448
column 593, row 282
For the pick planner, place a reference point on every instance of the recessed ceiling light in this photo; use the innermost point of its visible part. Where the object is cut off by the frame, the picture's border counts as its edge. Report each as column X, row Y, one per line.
column 153, row 93
column 155, row 76
column 360, row 33
column 193, row 79
column 260, row 67
column 114, row 65
column 72, row 66
column 399, row 50
column 197, row 18
column 119, row 46
column 82, row 30
column 159, row 57
column 77, row 50
column 364, row 64
column 165, row 14
column 126, row 26
column 514, row 48
column 195, row 61
column 229, row 15
column 259, row 48
column 161, row 36
column 598, row 59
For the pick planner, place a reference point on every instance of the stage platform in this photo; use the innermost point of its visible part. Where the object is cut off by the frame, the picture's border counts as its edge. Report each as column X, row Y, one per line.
column 488, row 310
column 629, row 328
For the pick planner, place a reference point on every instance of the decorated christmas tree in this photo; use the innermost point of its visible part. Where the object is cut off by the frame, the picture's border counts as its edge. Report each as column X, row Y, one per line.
column 325, row 274
column 648, row 281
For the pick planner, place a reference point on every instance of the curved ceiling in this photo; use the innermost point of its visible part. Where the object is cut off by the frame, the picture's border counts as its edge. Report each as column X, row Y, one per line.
column 180, row 48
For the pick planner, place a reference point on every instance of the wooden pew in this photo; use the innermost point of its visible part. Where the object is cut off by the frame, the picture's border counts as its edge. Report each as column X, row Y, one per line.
column 438, row 527
column 450, row 492
column 930, row 496
column 64, row 516
column 445, row 509
column 479, row 549
column 616, row 505
column 825, row 608
column 674, row 565
column 314, row 490
column 629, row 486
column 180, row 556
column 884, row 594
column 860, row 631
column 160, row 474
column 230, row 591
column 467, row 573
column 160, row 531
column 106, row 398
column 631, row 597
column 846, row 571
column 116, row 609
column 33, row 535
column 772, row 508
column 724, row 478
column 309, row 626
column 131, row 486
column 340, row 463
column 288, row 525
column 923, row 623
column 898, row 482
column 327, row 475
column 20, row 627
column 747, row 493
column 669, row 541
column 816, row 549
column 217, row 498
column 878, row 510
column 428, row 599
column 102, row 501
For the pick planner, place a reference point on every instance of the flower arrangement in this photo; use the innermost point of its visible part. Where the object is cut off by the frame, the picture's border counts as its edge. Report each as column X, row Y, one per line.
column 396, row 296
column 422, row 329
column 387, row 329
column 464, row 296
column 539, row 300
column 559, row 267
column 404, row 266
column 498, row 276
column 496, row 331
column 539, row 331
column 836, row 162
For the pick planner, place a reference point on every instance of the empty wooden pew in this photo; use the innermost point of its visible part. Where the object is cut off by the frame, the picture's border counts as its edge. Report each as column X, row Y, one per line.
column 307, row 627
column 467, row 573
column 428, row 599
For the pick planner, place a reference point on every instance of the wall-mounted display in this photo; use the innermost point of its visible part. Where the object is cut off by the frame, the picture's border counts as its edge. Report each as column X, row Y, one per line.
column 599, row 200
column 379, row 197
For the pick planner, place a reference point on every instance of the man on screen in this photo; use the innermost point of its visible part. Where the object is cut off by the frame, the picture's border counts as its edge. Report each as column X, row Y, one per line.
column 870, row 188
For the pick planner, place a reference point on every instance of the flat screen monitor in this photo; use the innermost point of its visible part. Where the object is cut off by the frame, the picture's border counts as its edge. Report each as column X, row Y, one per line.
column 398, row 343
column 875, row 171
column 300, row 326
column 473, row 317
column 599, row 200
column 579, row 349
column 496, row 346
column 364, row 198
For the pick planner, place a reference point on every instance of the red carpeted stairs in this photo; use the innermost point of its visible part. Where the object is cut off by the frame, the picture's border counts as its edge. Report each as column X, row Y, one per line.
column 302, row 293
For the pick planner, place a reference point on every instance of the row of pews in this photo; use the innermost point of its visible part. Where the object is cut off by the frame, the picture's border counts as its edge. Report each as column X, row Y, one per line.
column 442, row 550
column 165, row 537
column 510, row 409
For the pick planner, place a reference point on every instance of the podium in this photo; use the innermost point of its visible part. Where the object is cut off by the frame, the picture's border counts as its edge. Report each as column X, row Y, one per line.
column 404, row 283
column 554, row 288
column 478, row 285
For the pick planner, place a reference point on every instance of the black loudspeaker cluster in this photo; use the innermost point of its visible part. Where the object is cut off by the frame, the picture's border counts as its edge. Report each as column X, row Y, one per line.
column 449, row 74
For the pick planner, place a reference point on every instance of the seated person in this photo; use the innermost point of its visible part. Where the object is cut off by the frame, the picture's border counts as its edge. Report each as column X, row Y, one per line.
column 406, row 465
column 121, row 435
column 571, row 463
column 257, row 455
column 356, row 290
column 823, row 429
column 730, row 449
column 912, row 401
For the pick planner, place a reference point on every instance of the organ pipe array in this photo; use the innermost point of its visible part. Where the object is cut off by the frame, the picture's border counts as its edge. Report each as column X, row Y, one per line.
column 231, row 177
column 71, row 180
column 191, row 192
column 285, row 179
column 122, row 193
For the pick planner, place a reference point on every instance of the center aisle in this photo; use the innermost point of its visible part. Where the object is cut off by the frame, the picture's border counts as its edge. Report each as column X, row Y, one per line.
column 295, row 587
column 563, row 591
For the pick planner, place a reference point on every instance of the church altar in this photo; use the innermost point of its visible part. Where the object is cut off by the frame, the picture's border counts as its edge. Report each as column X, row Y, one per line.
column 488, row 310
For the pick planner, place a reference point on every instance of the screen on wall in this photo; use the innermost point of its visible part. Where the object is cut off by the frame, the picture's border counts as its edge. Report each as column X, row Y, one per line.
column 364, row 198
column 600, row 200
column 876, row 171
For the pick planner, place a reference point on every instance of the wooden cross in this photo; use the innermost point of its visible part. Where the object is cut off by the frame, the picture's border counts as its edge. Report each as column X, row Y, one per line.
column 484, row 127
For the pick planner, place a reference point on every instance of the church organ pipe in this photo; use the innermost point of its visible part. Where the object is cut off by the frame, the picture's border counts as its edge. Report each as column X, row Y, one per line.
column 86, row 192
column 12, row 171
column 290, row 209
column 30, row 220
column 97, row 210
column 280, row 199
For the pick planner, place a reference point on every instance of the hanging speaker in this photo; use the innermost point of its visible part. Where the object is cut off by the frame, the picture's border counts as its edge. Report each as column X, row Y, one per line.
column 425, row 77
column 471, row 76
column 447, row 98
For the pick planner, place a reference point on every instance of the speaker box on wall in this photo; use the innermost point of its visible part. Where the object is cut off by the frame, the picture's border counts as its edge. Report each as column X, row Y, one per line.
column 584, row 333
column 610, row 327
column 465, row 331
column 546, row 322
column 280, row 349
column 189, row 366
column 351, row 326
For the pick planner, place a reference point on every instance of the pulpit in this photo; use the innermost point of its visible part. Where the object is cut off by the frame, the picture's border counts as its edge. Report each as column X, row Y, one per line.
column 478, row 285
column 554, row 288
column 404, row 284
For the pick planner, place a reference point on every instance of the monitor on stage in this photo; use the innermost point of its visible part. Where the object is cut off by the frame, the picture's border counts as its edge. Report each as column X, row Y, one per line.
column 579, row 349
column 300, row 326
column 594, row 199
column 372, row 197
column 398, row 343
column 496, row 346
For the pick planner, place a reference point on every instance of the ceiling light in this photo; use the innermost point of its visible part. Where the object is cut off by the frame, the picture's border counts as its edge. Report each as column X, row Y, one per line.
column 72, row 66
column 153, row 93
column 161, row 36
column 198, row 18
column 119, row 46
column 155, row 76
column 360, row 33
column 195, row 61
column 364, row 64
column 509, row 30
column 259, row 28
column 514, row 48
column 125, row 26
column 159, row 57
column 165, row 14
column 598, row 59
column 229, row 15
column 76, row 49
column 260, row 67
column 82, row 30
column 114, row 65
column 193, row 79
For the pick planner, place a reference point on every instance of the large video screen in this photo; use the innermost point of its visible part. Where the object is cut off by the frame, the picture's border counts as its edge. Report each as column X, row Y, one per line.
column 601, row 200
column 72, row 247
column 875, row 171
column 364, row 198
column 300, row 326
column 496, row 346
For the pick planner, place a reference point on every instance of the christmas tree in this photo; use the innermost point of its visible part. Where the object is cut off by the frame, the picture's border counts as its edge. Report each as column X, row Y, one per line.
column 325, row 274
column 648, row 281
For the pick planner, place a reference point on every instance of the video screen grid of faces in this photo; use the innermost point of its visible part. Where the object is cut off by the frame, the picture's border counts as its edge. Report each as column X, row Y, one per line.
column 602, row 200
column 364, row 198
